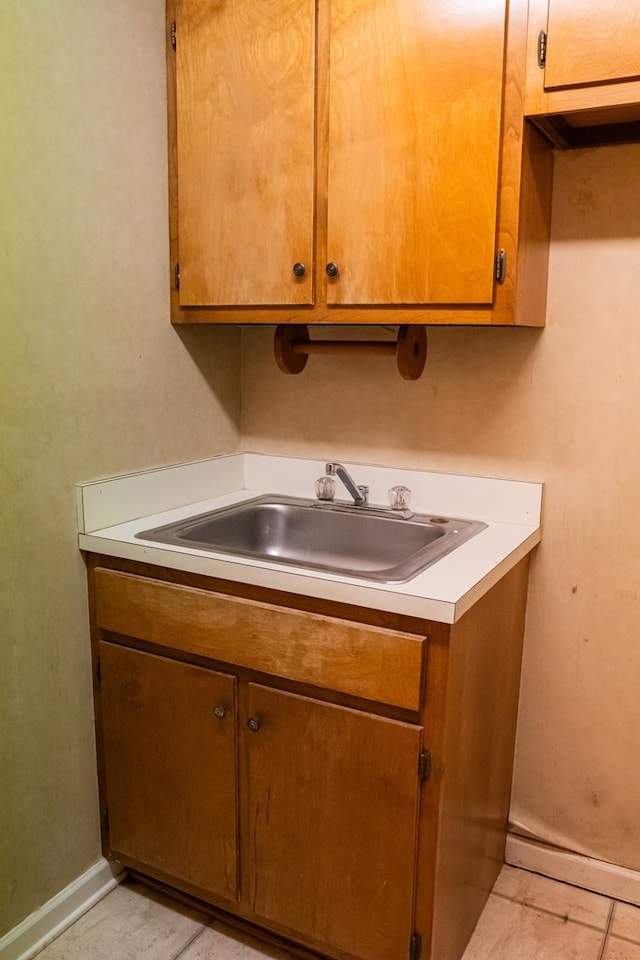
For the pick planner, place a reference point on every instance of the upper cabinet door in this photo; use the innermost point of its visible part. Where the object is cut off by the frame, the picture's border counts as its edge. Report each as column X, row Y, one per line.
column 592, row 42
column 245, row 151
column 415, row 100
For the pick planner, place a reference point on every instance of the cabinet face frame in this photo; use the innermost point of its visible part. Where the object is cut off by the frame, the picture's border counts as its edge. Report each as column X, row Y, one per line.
column 524, row 209
column 134, row 677
column 581, row 110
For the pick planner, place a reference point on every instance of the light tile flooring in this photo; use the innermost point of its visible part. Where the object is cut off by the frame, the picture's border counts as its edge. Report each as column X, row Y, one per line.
column 527, row 917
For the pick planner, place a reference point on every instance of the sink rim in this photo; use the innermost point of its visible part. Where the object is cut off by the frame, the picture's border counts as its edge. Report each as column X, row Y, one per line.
column 455, row 532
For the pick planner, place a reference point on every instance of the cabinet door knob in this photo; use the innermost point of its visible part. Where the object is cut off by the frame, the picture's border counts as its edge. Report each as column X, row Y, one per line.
column 219, row 711
column 332, row 269
column 253, row 724
column 299, row 269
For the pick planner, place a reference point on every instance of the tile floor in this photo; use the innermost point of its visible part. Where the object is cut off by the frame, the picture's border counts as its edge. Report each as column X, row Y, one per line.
column 528, row 917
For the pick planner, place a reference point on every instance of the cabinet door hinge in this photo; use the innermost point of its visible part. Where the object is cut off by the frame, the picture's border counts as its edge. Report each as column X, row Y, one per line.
column 424, row 765
column 98, row 670
column 542, row 49
column 173, row 35
column 416, row 947
column 106, row 817
column 176, row 276
column 501, row 266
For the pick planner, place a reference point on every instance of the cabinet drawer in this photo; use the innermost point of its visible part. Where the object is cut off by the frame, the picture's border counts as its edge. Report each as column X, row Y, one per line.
column 356, row 659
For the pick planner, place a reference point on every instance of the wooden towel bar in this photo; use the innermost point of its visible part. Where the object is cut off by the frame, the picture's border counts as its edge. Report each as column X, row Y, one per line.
column 292, row 346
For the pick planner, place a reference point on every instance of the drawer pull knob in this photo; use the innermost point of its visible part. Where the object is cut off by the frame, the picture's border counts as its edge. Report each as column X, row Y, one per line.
column 299, row 269
column 332, row 269
column 253, row 724
column 219, row 711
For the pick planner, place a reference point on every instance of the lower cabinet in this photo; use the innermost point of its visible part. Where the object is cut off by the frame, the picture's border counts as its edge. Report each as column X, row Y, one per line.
column 341, row 784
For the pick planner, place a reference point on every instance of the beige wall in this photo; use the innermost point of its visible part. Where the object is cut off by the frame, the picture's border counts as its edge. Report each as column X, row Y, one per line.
column 560, row 405
column 93, row 381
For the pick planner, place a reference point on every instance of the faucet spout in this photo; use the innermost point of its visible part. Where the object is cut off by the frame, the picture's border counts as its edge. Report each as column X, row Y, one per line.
column 359, row 492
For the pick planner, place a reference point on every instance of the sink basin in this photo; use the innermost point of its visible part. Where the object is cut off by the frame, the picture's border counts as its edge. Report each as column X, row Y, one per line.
column 367, row 542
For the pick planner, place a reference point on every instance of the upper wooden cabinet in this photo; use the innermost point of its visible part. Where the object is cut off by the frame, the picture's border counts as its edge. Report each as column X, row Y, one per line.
column 583, row 70
column 350, row 162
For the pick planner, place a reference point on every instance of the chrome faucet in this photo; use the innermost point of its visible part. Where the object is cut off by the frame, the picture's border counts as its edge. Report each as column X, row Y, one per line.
column 359, row 493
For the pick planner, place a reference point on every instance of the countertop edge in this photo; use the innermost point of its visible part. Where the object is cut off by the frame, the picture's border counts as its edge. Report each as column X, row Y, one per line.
column 340, row 590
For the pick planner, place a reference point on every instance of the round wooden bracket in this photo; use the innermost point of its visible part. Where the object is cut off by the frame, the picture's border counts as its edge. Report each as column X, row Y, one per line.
column 292, row 346
column 288, row 336
column 411, row 351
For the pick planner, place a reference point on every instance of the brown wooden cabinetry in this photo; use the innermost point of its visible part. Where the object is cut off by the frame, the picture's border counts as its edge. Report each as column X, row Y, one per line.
column 353, row 163
column 583, row 70
column 415, row 113
column 333, row 797
column 169, row 734
column 245, row 151
column 335, row 777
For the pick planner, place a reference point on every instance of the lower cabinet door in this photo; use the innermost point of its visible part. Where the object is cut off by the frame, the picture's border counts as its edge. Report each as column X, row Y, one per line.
column 333, row 805
column 169, row 733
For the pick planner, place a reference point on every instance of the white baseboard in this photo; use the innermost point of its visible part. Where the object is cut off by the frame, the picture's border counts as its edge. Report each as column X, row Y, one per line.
column 620, row 883
column 48, row 922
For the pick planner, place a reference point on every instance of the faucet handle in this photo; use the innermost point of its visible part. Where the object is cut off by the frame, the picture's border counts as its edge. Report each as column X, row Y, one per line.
column 325, row 488
column 399, row 497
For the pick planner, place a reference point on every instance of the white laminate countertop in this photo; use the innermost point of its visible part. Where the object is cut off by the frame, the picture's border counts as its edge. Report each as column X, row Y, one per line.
column 111, row 512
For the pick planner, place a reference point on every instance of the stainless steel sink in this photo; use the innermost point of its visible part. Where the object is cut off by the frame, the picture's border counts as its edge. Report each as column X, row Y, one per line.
column 367, row 542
